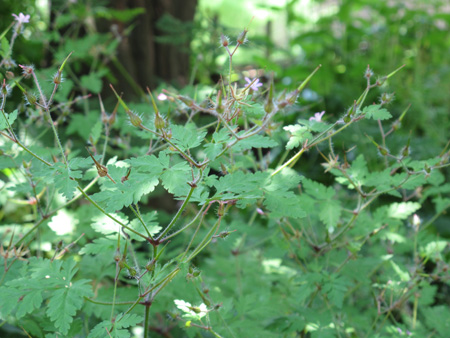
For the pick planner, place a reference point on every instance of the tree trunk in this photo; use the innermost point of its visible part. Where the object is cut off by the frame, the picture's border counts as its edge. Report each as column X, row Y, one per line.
column 145, row 59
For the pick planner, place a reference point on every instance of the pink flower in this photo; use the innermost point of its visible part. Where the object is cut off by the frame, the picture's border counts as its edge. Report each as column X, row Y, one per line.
column 255, row 84
column 317, row 117
column 162, row 97
column 21, row 18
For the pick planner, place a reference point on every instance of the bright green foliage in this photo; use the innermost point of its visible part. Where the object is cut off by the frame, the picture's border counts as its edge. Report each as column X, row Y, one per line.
column 44, row 279
column 10, row 117
column 64, row 179
column 116, row 331
column 375, row 112
column 299, row 134
column 239, row 216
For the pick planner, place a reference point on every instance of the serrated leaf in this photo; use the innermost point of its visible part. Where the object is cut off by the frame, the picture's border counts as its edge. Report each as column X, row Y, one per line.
column 11, row 118
column 299, row 134
column 82, row 163
column 434, row 249
column 99, row 245
column 146, row 163
column 317, row 190
column 330, row 213
column 175, row 179
column 375, row 112
column 284, row 204
column 96, row 131
column 255, row 141
column 29, row 303
column 122, row 321
column 212, row 150
column 92, row 82
column 106, row 225
column 65, row 302
column 187, row 137
column 239, row 183
column 403, row 210
column 404, row 276
column 63, row 180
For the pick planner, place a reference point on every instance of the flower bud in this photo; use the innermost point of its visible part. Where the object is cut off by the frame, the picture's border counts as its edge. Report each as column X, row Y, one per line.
column 383, row 151
column 30, row 98
column 186, row 100
column 150, row 266
column 9, row 75
column 57, row 78
column 27, row 71
column 159, row 122
column 117, row 255
column 381, row 81
column 224, row 40
column 132, row 272
column 368, row 73
column 405, row 151
column 241, row 37
column 195, row 309
column 122, row 263
column 6, row 89
column 135, row 119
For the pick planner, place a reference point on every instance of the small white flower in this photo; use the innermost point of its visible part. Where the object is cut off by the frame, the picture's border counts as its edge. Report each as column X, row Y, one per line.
column 21, row 18
column 317, row 117
column 255, row 84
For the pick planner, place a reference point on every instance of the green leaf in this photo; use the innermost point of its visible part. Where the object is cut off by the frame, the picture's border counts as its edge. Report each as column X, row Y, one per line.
column 404, row 276
column 284, row 204
column 106, row 225
column 11, row 118
column 175, row 179
column 92, row 82
column 187, row 137
column 65, row 302
column 437, row 318
column 330, row 213
column 64, row 179
column 240, row 185
column 99, row 245
column 255, row 141
column 375, row 112
column 151, row 223
column 299, row 134
column 317, row 190
column 122, row 321
column 212, row 150
column 4, row 47
column 403, row 210
column 433, row 250
column 335, row 287
column 96, row 131
column 82, row 163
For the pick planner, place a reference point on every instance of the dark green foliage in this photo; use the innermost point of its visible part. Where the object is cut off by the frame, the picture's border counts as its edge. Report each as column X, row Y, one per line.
column 236, row 217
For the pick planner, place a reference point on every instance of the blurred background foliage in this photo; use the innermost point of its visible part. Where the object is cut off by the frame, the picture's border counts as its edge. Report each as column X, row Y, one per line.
column 133, row 45
column 128, row 46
